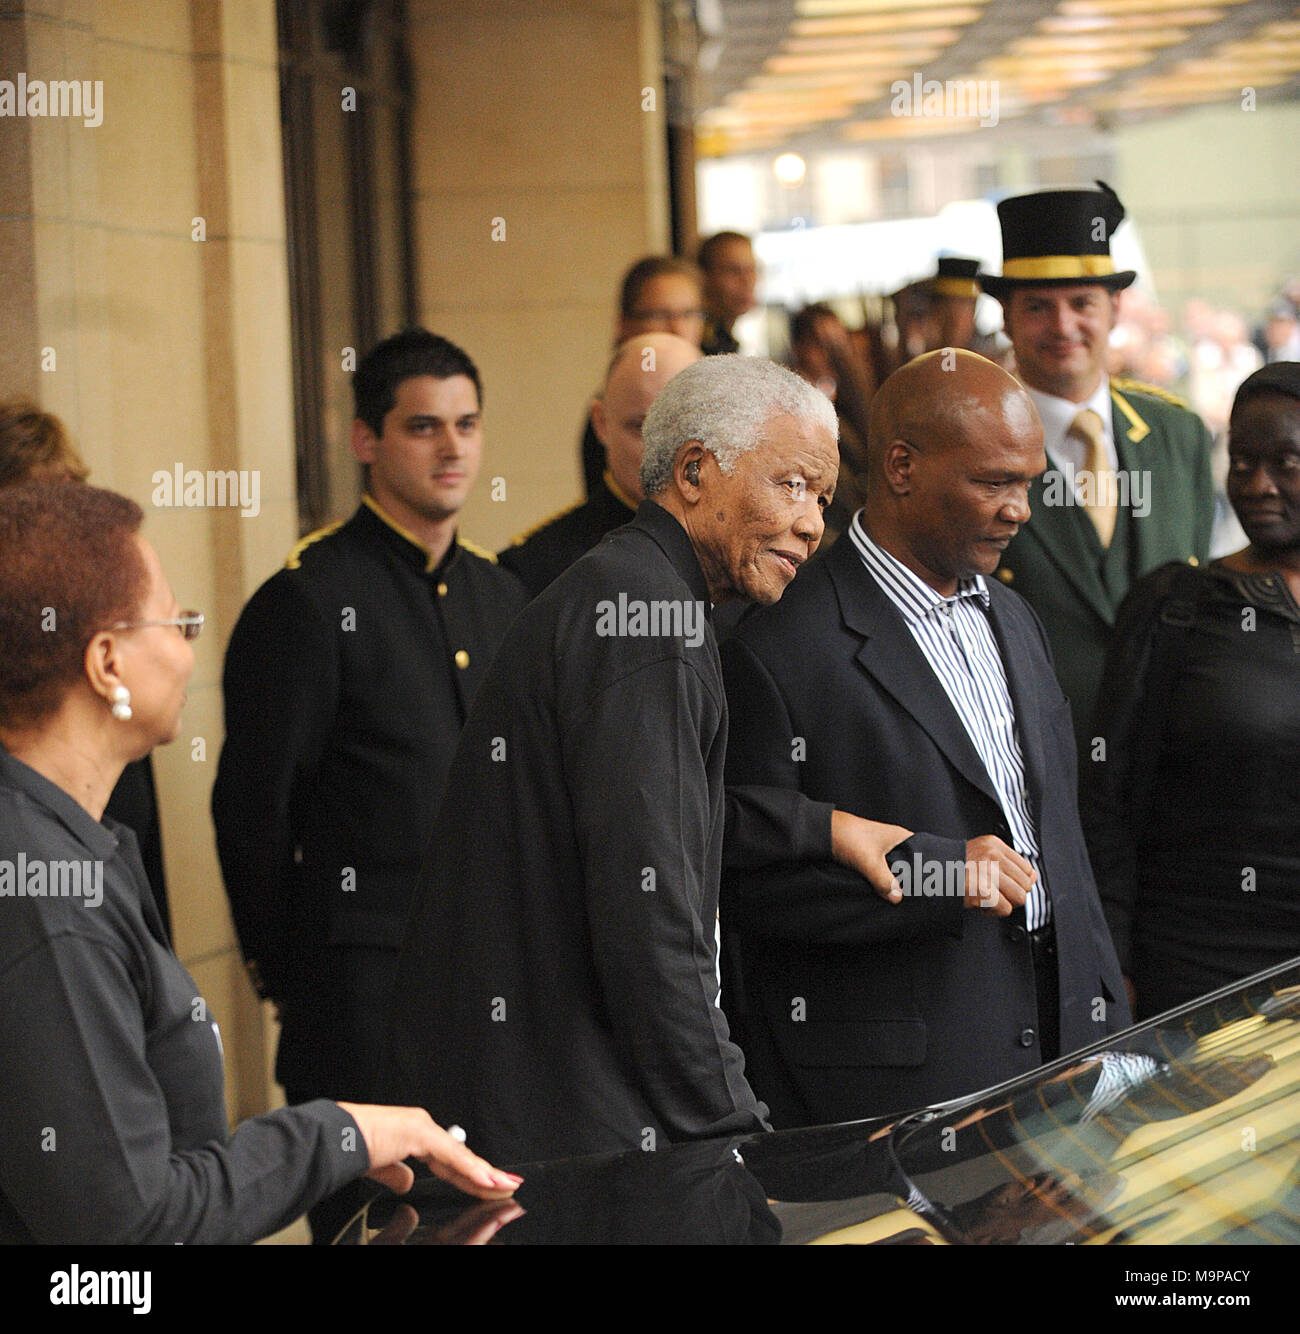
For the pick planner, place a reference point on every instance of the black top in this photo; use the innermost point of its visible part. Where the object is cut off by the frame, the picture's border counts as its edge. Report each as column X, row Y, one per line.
column 110, row 1062
column 557, row 990
column 1194, row 816
column 546, row 552
column 347, row 679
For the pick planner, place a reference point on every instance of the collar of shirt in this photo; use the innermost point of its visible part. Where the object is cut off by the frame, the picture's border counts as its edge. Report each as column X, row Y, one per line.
column 1065, row 453
column 676, row 545
column 101, row 839
column 913, row 597
column 404, row 541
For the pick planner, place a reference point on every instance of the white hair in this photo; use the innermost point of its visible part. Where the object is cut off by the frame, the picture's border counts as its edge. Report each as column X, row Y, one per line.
column 724, row 403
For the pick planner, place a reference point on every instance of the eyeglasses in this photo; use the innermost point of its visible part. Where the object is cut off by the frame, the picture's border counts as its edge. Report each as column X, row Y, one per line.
column 190, row 624
column 666, row 316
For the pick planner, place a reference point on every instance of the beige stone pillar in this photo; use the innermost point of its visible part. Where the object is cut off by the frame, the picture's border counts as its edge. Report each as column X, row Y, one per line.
column 539, row 177
column 144, row 298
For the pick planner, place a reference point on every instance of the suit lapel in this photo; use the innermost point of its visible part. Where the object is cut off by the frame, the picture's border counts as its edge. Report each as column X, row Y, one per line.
column 1017, row 661
column 1060, row 533
column 892, row 657
column 1129, row 430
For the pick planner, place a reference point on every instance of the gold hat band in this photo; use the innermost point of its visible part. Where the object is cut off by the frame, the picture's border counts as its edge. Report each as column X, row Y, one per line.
column 955, row 287
column 1059, row 266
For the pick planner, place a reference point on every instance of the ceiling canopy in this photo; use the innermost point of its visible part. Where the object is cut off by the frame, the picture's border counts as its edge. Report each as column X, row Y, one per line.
column 803, row 74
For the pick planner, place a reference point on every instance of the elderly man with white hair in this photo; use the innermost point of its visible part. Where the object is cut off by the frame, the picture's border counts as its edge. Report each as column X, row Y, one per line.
column 558, row 990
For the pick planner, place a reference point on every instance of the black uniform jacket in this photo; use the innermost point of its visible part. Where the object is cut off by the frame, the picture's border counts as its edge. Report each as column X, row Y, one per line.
column 347, row 680
column 544, row 553
column 557, row 991
column 846, row 1005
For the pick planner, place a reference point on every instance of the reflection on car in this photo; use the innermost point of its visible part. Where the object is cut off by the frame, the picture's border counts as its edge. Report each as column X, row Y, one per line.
column 1184, row 1129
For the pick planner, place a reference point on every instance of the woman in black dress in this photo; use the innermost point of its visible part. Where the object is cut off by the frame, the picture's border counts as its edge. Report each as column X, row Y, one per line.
column 1193, row 809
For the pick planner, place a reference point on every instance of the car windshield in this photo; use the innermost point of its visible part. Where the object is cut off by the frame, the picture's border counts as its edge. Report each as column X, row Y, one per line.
column 1182, row 1131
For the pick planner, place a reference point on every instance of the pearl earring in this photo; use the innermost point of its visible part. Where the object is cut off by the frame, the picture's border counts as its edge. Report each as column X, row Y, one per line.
column 121, row 709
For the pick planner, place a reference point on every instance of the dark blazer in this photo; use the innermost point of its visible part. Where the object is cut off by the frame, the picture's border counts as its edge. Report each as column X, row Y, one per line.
column 845, row 1005
column 1054, row 560
column 557, row 988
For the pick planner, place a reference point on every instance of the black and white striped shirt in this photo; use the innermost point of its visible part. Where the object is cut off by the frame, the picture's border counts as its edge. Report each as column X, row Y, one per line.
column 955, row 635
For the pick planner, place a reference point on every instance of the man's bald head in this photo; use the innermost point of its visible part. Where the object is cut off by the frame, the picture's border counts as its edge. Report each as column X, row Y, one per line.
column 936, row 401
column 639, row 369
column 954, row 443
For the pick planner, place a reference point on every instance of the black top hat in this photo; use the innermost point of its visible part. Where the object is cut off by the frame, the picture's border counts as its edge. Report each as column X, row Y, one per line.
column 956, row 277
column 1057, row 238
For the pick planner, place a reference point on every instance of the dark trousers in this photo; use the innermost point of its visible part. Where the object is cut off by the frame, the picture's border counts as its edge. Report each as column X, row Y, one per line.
column 1047, row 982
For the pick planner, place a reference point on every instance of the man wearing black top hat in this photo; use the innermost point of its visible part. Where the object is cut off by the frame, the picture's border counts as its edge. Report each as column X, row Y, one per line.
column 1128, row 483
column 954, row 292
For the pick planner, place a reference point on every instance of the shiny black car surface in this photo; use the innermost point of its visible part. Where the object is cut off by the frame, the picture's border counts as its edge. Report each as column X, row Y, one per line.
column 1184, row 1129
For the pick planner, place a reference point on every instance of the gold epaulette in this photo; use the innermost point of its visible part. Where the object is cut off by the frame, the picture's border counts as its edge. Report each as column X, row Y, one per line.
column 1141, row 387
column 295, row 556
column 475, row 550
column 550, row 518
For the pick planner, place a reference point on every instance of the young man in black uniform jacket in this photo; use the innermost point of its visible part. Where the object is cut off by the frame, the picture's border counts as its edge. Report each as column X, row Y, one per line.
column 347, row 681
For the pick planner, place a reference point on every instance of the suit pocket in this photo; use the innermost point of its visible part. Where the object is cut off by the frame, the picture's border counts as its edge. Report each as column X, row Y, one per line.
column 870, row 1042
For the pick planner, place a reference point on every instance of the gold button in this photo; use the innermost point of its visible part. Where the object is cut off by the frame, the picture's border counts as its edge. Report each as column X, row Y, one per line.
column 1006, row 575
column 442, row 590
column 1191, row 560
column 462, row 658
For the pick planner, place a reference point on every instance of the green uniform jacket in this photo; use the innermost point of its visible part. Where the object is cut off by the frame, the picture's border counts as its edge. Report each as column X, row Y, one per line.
column 1056, row 561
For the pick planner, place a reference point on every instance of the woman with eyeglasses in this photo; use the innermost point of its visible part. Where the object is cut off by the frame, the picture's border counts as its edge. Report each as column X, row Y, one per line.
column 110, row 1063
column 1192, row 811
column 35, row 447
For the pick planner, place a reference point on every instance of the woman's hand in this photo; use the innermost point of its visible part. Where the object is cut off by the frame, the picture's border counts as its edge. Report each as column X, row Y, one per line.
column 393, row 1134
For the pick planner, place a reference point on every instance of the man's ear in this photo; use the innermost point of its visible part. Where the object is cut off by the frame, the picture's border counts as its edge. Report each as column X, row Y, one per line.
column 600, row 421
column 1006, row 317
column 898, row 462
column 365, row 445
column 686, row 471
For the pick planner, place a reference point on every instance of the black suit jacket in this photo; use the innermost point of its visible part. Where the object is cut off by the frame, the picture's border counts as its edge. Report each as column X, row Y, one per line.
column 846, row 1005
column 557, row 987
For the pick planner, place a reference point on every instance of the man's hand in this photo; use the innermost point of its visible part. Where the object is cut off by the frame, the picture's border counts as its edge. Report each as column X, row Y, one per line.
column 998, row 878
column 393, row 1134
column 864, row 846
